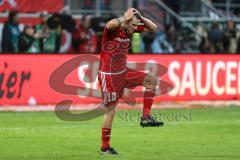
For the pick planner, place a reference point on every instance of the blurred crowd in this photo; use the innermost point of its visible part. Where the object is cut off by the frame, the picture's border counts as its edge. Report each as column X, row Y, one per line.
column 47, row 37
column 214, row 39
column 220, row 40
column 32, row 39
column 193, row 6
column 85, row 36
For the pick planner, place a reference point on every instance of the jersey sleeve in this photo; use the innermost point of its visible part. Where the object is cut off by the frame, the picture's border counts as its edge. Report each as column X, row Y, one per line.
column 107, row 34
column 108, row 31
column 140, row 28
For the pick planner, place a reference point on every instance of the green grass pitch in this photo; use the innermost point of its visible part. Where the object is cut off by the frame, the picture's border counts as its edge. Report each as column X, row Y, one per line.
column 196, row 134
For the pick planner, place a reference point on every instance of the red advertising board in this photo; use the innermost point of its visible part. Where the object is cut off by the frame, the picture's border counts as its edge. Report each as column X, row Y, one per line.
column 25, row 79
column 32, row 5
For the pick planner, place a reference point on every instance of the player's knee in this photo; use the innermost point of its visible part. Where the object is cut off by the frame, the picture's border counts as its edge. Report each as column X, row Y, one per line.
column 153, row 81
column 110, row 110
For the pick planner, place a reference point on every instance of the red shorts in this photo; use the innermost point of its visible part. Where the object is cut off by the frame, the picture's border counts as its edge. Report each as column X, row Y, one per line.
column 112, row 85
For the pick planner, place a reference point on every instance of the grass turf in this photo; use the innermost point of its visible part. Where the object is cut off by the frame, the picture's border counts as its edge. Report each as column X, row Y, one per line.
column 197, row 134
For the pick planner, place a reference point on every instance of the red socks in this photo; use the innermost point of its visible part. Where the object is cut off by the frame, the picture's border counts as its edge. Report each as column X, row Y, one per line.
column 148, row 101
column 106, row 137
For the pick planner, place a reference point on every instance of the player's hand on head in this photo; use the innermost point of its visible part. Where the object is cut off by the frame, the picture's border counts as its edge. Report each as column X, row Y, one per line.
column 128, row 15
column 138, row 14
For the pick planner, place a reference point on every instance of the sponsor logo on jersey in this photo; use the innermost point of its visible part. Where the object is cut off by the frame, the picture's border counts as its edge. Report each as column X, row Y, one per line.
column 122, row 39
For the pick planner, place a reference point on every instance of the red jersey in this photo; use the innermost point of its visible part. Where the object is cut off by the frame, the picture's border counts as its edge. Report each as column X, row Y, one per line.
column 115, row 46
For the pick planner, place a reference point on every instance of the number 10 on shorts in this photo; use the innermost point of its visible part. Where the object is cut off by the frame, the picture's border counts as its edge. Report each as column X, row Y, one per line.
column 109, row 97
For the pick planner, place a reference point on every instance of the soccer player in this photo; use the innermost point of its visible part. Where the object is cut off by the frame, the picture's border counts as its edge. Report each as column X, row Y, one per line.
column 114, row 76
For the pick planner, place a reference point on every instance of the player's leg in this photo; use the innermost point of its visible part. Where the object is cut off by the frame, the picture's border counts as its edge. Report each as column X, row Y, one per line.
column 139, row 78
column 110, row 95
column 150, row 84
column 107, row 128
column 109, row 115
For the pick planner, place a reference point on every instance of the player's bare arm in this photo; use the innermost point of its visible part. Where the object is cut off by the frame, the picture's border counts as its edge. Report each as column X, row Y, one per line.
column 117, row 22
column 149, row 25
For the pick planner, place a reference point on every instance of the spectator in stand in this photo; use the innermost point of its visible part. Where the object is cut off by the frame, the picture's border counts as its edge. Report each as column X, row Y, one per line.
column 215, row 37
column 43, row 25
column 51, row 41
column 29, row 40
column 204, row 46
column 160, row 44
column 172, row 36
column 202, row 38
column 42, row 29
column 230, row 39
column 84, row 38
column 136, row 46
column 11, row 33
column 148, row 38
column 68, row 24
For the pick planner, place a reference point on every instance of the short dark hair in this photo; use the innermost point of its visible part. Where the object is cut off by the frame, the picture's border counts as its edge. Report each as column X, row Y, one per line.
column 11, row 15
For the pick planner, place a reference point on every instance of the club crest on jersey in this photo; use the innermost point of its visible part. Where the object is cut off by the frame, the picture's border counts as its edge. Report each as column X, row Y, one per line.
column 122, row 39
